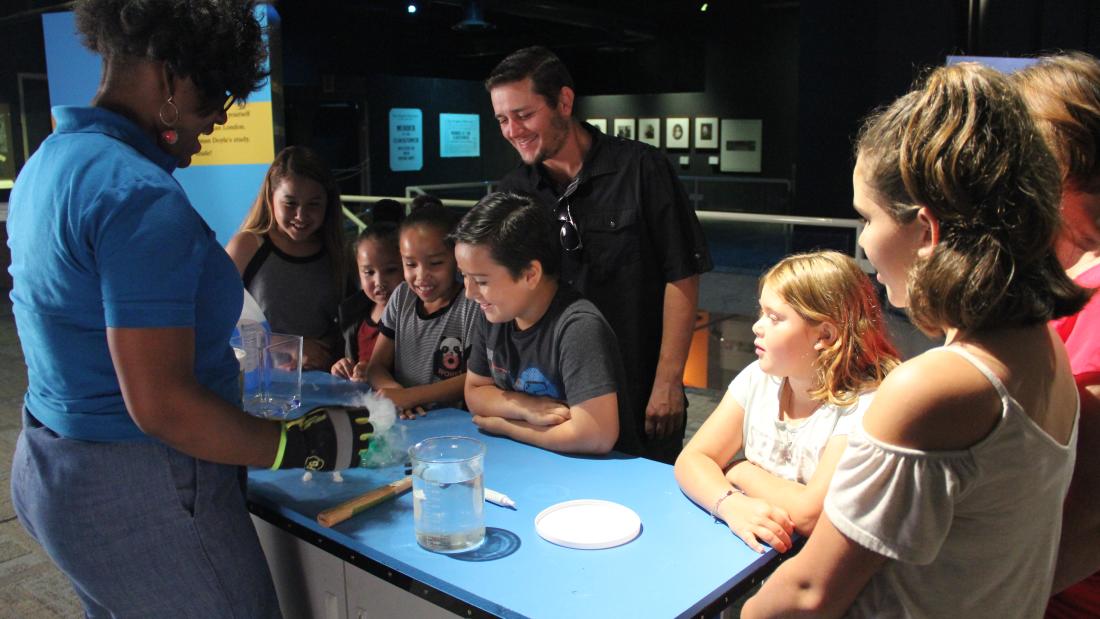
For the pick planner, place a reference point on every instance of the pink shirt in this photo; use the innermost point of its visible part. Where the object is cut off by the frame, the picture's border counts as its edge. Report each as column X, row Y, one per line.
column 1081, row 333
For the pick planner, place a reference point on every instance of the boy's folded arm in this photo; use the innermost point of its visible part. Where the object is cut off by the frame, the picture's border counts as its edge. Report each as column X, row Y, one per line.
column 484, row 398
column 593, row 428
column 803, row 502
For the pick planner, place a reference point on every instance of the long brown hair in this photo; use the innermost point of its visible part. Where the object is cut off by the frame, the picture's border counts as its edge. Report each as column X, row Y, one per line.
column 963, row 145
column 302, row 161
column 829, row 287
column 1063, row 94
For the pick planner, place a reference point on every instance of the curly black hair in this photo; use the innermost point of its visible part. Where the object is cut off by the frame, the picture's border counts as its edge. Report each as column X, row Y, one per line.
column 216, row 43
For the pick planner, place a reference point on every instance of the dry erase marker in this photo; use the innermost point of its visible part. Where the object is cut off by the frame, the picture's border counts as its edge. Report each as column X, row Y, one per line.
column 499, row 499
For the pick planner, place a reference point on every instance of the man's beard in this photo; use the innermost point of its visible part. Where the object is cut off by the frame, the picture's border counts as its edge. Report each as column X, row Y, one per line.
column 560, row 124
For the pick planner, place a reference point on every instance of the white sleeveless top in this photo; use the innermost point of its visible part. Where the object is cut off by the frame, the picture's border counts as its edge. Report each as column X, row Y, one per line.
column 971, row 533
column 788, row 450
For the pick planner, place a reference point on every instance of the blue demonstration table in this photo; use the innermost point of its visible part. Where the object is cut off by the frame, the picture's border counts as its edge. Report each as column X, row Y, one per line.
column 682, row 564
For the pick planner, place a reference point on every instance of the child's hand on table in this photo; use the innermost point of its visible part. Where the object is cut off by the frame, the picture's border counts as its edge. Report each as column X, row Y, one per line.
column 400, row 398
column 755, row 520
column 344, row 368
column 548, row 413
column 359, row 372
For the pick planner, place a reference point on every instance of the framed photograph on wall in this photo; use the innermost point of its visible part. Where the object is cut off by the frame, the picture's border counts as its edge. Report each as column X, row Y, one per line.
column 599, row 123
column 676, row 132
column 649, row 131
column 624, row 128
column 741, row 145
column 706, row 133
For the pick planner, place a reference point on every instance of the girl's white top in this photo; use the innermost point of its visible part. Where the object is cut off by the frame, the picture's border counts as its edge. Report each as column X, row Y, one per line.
column 790, row 450
column 971, row 533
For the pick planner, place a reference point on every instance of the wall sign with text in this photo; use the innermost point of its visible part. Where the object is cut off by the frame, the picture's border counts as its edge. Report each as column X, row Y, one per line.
column 406, row 139
column 459, row 135
column 247, row 137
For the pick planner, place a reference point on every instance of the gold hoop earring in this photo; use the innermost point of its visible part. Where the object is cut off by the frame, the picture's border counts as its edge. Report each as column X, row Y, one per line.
column 169, row 135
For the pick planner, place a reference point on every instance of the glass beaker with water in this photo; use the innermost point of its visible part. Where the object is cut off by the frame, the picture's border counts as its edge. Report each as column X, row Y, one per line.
column 271, row 371
column 448, row 493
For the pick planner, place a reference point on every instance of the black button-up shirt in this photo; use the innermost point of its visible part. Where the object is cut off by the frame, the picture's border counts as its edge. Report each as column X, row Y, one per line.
column 638, row 233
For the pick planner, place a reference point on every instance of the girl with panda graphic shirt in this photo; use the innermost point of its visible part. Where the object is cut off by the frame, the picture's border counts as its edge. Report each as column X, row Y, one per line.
column 419, row 359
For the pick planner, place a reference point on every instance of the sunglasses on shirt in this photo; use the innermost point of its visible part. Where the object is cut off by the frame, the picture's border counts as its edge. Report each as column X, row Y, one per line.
column 569, row 234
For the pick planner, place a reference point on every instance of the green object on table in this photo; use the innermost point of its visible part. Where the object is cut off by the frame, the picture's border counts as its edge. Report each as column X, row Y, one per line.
column 377, row 454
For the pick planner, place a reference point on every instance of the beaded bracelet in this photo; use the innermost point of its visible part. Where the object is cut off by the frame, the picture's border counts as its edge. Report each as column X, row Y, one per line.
column 730, row 492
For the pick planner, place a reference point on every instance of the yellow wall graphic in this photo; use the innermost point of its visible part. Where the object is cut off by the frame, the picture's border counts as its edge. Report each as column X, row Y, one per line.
column 246, row 138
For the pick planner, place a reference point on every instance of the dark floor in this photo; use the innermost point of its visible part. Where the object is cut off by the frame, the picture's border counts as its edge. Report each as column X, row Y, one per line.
column 30, row 585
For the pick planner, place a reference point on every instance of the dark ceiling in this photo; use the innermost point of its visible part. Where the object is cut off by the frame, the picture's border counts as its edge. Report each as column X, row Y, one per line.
column 630, row 47
column 612, row 46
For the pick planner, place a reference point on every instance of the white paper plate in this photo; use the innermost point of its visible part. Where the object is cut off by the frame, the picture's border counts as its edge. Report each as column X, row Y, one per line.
column 588, row 524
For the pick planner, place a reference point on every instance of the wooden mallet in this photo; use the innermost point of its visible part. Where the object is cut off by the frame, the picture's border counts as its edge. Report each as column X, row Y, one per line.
column 335, row 515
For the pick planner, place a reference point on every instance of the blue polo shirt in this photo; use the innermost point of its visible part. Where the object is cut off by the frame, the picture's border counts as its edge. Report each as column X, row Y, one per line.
column 102, row 235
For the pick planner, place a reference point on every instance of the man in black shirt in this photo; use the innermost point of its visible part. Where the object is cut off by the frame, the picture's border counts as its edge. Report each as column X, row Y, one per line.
column 630, row 241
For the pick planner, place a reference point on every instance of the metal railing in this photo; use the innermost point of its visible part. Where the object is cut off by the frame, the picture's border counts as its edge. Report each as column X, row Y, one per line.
column 351, row 216
column 411, row 191
column 353, row 199
column 692, row 185
column 856, row 225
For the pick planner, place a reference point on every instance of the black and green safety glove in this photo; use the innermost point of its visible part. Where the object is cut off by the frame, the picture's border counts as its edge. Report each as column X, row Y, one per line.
column 327, row 438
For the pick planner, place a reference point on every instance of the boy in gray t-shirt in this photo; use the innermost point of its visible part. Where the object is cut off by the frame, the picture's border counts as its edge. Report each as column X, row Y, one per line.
column 544, row 365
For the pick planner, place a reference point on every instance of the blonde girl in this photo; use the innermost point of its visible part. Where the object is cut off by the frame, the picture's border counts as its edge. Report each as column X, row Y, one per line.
column 822, row 349
column 290, row 253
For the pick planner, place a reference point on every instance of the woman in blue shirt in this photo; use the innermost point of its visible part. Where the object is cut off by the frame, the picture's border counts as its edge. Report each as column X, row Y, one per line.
column 128, row 467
